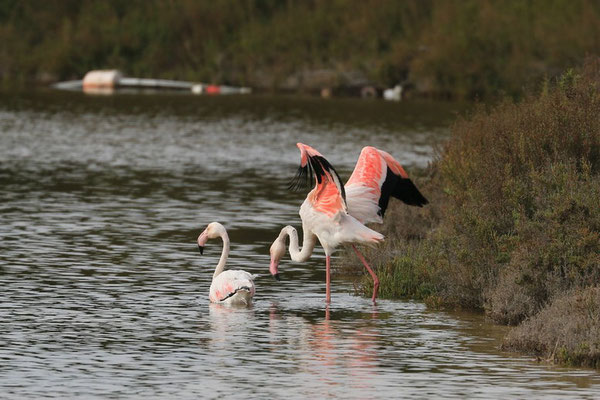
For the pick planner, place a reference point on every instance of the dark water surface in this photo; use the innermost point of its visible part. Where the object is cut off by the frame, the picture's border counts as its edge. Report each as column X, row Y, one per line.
column 104, row 294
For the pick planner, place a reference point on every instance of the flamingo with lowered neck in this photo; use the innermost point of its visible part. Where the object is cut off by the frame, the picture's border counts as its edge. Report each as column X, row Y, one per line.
column 231, row 286
column 336, row 214
column 296, row 254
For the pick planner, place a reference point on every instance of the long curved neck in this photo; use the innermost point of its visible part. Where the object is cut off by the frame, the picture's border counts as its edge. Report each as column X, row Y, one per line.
column 308, row 244
column 224, row 255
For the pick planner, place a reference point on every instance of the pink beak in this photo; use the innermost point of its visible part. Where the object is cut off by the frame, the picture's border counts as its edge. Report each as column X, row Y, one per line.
column 202, row 239
column 273, row 269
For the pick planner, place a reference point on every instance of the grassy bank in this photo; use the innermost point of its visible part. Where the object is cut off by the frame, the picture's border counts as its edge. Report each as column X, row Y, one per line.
column 513, row 227
column 465, row 49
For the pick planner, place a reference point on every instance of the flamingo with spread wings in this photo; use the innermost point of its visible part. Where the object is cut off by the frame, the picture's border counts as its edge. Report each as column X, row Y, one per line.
column 335, row 214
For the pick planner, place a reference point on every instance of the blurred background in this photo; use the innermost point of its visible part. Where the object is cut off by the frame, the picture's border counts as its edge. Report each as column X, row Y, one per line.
column 453, row 49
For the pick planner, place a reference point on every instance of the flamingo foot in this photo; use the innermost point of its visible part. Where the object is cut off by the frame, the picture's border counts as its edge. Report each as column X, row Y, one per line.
column 375, row 287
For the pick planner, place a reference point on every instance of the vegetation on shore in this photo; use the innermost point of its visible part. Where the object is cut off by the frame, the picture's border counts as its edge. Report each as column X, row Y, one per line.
column 564, row 332
column 513, row 227
column 465, row 49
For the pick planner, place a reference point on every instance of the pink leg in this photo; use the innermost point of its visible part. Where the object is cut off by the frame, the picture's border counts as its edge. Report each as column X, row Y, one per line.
column 375, row 279
column 328, row 280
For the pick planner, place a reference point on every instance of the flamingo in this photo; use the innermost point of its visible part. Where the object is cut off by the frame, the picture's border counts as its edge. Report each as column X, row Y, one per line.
column 336, row 214
column 231, row 286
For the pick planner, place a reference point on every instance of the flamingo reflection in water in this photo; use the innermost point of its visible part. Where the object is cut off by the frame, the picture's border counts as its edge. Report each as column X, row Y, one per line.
column 327, row 345
column 230, row 325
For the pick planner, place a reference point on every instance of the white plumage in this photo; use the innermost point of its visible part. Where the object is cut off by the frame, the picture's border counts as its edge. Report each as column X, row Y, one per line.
column 227, row 287
column 232, row 287
column 334, row 230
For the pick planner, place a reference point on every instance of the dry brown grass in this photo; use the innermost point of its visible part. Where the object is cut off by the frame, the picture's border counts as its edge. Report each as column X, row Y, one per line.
column 514, row 219
column 567, row 331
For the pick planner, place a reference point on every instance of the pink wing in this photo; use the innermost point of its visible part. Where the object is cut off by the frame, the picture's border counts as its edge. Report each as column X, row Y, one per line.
column 376, row 177
column 328, row 196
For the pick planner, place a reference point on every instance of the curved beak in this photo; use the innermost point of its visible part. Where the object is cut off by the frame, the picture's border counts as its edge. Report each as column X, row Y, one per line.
column 202, row 239
column 273, row 269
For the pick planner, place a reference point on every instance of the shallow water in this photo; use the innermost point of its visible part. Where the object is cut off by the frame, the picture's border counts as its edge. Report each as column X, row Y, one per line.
column 104, row 294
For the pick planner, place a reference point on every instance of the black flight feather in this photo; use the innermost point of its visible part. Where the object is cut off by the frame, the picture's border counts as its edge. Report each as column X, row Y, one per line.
column 314, row 168
column 302, row 179
column 401, row 188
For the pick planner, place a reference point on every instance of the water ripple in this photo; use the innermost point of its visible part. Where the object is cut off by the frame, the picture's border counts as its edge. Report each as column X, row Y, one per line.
column 104, row 294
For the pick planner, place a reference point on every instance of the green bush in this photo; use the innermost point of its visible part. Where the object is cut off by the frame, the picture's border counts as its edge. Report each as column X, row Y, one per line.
column 522, row 191
column 516, row 199
column 464, row 49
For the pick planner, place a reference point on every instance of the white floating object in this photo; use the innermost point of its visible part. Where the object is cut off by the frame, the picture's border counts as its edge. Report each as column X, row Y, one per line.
column 394, row 94
column 108, row 80
column 101, row 79
column 197, row 88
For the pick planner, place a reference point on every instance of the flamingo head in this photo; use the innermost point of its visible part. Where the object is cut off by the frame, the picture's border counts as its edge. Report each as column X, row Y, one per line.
column 277, row 252
column 213, row 230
